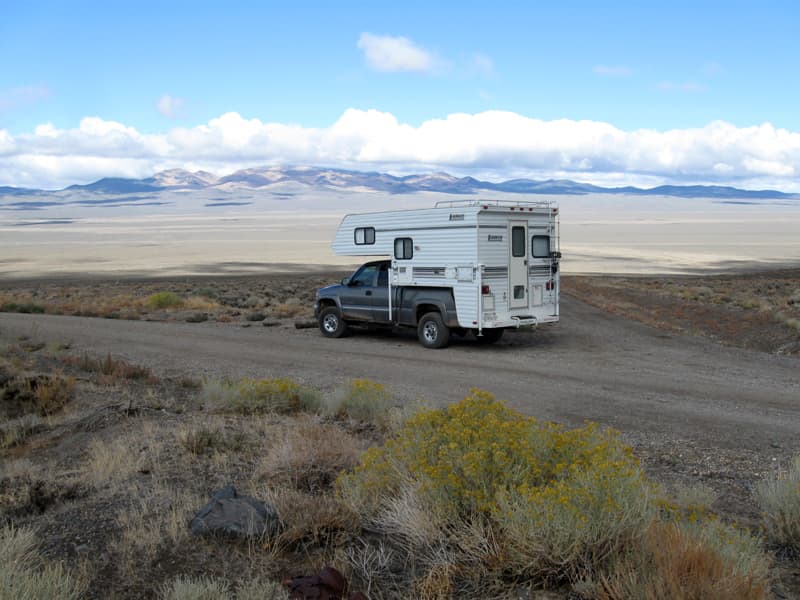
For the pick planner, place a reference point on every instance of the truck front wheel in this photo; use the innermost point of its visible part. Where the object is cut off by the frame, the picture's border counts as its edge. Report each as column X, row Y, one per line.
column 331, row 323
column 432, row 332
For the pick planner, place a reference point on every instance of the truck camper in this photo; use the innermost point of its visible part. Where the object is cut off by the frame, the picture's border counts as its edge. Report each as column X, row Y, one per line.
column 479, row 266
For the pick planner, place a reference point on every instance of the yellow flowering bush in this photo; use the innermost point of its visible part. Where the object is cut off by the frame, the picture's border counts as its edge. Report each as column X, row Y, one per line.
column 476, row 494
column 558, row 497
column 476, row 451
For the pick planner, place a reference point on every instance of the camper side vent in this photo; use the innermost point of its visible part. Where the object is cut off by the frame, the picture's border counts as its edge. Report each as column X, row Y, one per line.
column 495, row 272
column 428, row 272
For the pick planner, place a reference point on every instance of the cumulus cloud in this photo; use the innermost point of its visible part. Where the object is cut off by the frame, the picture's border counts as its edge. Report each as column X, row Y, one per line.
column 613, row 70
column 169, row 106
column 395, row 53
column 504, row 144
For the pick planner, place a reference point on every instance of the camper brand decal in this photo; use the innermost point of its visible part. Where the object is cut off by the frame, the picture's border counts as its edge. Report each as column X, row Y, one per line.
column 456, row 216
column 495, row 238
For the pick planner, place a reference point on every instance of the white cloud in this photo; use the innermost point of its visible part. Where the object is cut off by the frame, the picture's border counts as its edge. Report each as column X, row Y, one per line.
column 389, row 53
column 501, row 143
column 613, row 71
column 169, row 106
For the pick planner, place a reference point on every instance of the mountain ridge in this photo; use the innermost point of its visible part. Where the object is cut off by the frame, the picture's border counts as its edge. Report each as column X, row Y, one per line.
column 330, row 178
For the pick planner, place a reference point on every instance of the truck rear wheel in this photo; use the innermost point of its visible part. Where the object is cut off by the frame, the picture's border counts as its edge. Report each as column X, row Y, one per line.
column 432, row 332
column 331, row 323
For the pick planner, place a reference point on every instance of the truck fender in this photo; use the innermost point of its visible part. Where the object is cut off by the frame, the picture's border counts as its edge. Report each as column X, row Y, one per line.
column 448, row 316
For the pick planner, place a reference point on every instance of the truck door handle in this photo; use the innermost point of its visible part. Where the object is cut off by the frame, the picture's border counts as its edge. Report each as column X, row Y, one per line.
column 368, row 292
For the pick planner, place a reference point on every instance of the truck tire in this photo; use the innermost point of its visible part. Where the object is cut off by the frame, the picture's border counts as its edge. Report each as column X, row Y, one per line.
column 331, row 323
column 490, row 336
column 432, row 332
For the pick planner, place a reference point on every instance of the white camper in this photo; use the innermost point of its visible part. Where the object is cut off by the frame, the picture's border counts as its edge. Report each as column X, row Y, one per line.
column 499, row 259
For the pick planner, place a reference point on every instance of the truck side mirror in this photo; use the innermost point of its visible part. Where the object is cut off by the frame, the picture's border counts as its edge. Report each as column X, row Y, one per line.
column 346, row 281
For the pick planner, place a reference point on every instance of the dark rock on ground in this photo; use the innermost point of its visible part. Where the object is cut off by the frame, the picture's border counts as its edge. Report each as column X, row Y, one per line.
column 231, row 514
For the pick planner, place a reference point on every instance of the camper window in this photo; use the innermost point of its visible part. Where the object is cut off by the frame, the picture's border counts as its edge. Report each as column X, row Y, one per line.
column 540, row 246
column 364, row 235
column 517, row 241
column 403, row 248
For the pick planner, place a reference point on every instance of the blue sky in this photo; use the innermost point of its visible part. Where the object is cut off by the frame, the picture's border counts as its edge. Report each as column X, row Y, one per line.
column 154, row 67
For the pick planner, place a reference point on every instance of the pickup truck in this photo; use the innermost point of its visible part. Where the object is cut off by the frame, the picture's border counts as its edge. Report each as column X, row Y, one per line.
column 363, row 299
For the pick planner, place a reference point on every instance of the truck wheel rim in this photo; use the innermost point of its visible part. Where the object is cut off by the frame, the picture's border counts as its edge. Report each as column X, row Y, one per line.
column 430, row 332
column 330, row 323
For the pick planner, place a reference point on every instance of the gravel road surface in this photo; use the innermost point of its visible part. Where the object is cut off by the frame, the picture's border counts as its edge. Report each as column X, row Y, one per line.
column 592, row 365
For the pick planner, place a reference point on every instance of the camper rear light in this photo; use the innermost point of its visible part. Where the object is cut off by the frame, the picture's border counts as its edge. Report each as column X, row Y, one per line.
column 486, row 290
column 550, row 285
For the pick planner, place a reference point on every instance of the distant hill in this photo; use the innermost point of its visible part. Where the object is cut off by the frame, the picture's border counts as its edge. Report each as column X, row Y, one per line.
column 318, row 177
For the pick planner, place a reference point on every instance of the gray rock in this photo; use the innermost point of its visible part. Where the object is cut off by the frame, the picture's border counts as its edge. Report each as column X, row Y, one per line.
column 271, row 323
column 232, row 515
column 255, row 316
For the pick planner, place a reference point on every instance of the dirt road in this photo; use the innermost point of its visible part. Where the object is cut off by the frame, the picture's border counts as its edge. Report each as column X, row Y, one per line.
column 592, row 365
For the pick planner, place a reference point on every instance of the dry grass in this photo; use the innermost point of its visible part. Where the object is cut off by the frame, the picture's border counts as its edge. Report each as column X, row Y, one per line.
column 676, row 563
column 25, row 576
column 308, row 455
column 779, row 498
column 111, row 369
column 259, row 396
column 208, row 588
column 311, row 521
column 120, row 458
column 53, row 393
column 158, row 520
column 291, row 307
column 362, row 400
column 210, row 436
column 15, row 431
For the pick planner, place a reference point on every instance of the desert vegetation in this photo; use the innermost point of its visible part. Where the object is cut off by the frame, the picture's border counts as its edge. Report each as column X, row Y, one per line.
column 779, row 498
column 759, row 310
column 235, row 300
column 474, row 500
column 103, row 463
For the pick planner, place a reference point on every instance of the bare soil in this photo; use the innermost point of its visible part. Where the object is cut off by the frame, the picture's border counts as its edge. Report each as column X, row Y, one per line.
column 700, row 374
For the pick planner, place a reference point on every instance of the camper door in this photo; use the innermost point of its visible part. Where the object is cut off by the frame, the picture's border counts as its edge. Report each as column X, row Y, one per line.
column 518, row 264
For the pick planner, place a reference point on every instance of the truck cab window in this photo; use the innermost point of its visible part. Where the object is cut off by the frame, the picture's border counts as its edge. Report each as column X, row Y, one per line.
column 383, row 275
column 364, row 276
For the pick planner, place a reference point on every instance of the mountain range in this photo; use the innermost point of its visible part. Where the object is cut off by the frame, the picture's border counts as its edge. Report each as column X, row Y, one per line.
column 318, row 177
